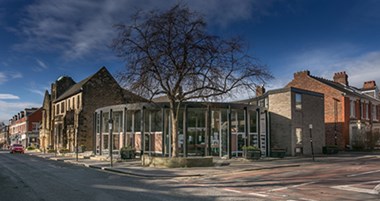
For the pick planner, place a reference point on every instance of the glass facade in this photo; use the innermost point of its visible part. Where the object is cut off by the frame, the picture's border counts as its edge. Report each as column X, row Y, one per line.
column 204, row 129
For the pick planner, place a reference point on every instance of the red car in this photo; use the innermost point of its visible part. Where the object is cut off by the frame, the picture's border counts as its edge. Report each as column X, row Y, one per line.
column 17, row 148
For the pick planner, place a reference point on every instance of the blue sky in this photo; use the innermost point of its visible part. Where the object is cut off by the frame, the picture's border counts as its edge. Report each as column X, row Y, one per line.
column 41, row 40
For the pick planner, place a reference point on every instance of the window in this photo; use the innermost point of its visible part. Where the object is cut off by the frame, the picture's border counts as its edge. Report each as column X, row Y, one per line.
column 362, row 110
column 68, row 105
column 366, row 111
column 62, row 107
column 262, row 103
column 352, row 108
column 298, row 101
column 57, row 109
column 78, row 101
column 374, row 112
column 35, row 127
column 299, row 136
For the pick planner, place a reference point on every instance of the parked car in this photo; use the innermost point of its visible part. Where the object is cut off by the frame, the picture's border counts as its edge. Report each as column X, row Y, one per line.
column 17, row 148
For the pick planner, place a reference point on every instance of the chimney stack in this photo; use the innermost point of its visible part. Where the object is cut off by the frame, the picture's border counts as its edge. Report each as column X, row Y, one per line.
column 260, row 90
column 341, row 77
column 302, row 73
column 369, row 85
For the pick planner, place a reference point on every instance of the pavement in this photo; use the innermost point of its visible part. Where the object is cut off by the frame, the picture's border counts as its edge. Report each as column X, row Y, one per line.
column 222, row 166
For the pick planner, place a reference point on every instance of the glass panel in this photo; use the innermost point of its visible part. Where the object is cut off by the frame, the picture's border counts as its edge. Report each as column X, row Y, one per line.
column 196, row 131
column 252, row 121
column 97, row 116
column 147, row 130
column 298, row 101
column 137, row 122
column 180, row 132
column 215, row 133
column 234, row 122
column 156, row 121
column 224, row 135
column 116, row 141
column 299, row 136
column 240, row 144
column 105, row 142
column 105, row 119
column 241, row 121
column 117, row 122
column 97, row 143
column 129, row 120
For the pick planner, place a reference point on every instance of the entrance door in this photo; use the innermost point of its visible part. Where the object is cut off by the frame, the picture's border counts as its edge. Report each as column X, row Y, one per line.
column 239, row 144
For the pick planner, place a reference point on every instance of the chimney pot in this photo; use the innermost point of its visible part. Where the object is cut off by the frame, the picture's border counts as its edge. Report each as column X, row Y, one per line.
column 341, row 77
column 368, row 85
column 301, row 73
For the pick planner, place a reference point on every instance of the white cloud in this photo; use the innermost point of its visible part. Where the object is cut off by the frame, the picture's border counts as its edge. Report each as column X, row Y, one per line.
column 36, row 91
column 15, row 75
column 41, row 64
column 8, row 96
column 6, row 76
column 8, row 109
column 3, row 78
column 80, row 28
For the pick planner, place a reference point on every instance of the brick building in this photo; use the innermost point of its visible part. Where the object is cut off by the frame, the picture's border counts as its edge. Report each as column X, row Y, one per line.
column 24, row 127
column 4, row 135
column 69, row 110
column 291, row 112
column 350, row 112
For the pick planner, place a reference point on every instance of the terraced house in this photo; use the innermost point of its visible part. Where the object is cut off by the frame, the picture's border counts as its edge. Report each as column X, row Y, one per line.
column 69, row 111
column 351, row 114
column 24, row 127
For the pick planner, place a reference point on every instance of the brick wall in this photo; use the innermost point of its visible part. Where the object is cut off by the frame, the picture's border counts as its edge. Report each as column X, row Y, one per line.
column 335, row 107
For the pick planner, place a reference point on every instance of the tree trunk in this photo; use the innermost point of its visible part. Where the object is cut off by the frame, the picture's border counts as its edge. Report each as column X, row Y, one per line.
column 174, row 132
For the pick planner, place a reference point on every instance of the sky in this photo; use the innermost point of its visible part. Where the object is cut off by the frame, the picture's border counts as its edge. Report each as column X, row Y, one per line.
column 41, row 40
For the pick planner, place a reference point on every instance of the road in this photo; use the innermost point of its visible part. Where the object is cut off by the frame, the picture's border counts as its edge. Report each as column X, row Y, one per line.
column 24, row 177
column 339, row 178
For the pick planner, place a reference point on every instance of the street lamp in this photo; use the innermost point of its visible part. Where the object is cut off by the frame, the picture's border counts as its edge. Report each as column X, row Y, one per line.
column 311, row 140
column 76, row 139
column 44, row 143
column 110, row 123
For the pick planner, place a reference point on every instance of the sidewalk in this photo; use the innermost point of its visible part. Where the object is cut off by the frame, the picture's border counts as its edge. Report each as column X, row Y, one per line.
column 222, row 166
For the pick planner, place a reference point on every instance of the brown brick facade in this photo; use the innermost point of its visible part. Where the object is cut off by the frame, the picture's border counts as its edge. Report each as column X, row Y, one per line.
column 338, row 97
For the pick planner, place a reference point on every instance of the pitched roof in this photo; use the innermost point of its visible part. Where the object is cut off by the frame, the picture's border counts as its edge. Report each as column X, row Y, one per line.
column 349, row 90
column 76, row 88
column 132, row 97
column 161, row 99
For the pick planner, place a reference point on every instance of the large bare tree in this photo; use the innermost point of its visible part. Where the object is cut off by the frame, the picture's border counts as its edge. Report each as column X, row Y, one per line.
column 170, row 53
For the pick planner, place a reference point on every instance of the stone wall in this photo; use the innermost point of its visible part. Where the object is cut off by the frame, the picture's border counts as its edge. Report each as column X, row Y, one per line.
column 280, row 121
column 100, row 91
column 311, row 113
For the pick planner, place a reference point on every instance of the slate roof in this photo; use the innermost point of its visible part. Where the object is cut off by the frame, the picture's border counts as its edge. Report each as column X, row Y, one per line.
column 349, row 90
column 76, row 88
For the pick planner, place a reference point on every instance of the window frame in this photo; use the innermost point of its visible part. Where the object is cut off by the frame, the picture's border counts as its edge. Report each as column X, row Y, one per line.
column 298, row 101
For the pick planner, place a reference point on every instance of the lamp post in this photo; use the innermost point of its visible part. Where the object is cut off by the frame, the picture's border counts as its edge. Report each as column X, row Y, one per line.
column 311, row 140
column 44, row 143
column 76, row 143
column 110, row 123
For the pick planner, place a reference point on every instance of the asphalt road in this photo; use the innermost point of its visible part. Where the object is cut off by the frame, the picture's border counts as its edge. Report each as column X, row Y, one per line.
column 333, row 178
column 24, row 177
column 28, row 178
